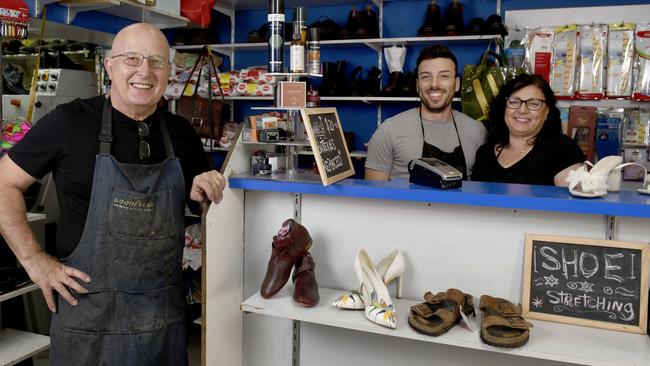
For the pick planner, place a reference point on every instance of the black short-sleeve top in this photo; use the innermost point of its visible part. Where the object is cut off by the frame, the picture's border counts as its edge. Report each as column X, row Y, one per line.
column 539, row 166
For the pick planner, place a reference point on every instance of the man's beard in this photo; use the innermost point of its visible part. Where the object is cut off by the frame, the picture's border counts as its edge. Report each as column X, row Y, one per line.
column 427, row 105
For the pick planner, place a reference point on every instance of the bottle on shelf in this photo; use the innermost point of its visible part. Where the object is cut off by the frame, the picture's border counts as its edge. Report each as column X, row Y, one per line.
column 297, row 53
column 313, row 52
column 275, row 20
column 300, row 21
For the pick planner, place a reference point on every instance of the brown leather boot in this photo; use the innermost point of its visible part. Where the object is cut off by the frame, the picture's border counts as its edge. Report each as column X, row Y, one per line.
column 292, row 242
column 305, row 290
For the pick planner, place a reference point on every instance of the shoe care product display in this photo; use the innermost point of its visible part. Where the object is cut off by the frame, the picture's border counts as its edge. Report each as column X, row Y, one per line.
column 608, row 127
column 297, row 53
column 502, row 324
column 389, row 268
column 276, row 33
column 620, row 54
column 582, row 128
column 564, row 60
column 441, row 312
column 14, row 18
column 539, row 48
column 313, row 52
column 290, row 248
column 642, row 62
column 591, row 65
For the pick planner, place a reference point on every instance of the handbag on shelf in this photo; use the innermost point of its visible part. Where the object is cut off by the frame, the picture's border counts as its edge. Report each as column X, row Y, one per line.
column 205, row 114
column 480, row 83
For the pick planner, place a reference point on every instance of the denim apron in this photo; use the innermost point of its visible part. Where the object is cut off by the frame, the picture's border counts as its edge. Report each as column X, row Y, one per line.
column 456, row 158
column 131, row 246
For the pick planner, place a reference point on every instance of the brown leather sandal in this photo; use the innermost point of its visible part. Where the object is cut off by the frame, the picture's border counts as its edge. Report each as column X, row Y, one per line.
column 440, row 312
column 502, row 324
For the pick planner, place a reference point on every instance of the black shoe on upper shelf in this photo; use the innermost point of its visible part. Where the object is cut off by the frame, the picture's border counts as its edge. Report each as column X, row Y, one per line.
column 453, row 19
column 494, row 25
column 327, row 28
column 475, row 27
column 432, row 22
column 370, row 23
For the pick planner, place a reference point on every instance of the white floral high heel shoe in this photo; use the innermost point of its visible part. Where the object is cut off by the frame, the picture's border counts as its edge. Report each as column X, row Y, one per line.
column 390, row 268
column 603, row 177
column 374, row 293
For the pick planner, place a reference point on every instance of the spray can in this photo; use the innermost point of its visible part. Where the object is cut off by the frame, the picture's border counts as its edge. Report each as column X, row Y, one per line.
column 275, row 20
column 313, row 52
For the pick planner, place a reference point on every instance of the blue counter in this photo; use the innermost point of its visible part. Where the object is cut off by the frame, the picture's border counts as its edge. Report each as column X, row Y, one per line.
column 514, row 196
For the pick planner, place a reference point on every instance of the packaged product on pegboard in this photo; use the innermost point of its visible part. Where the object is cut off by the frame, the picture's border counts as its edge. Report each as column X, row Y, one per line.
column 14, row 18
column 620, row 54
column 539, row 50
column 591, row 61
column 563, row 67
column 642, row 62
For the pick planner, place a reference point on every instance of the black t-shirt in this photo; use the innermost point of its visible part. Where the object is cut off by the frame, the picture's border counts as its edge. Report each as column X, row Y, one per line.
column 539, row 166
column 65, row 142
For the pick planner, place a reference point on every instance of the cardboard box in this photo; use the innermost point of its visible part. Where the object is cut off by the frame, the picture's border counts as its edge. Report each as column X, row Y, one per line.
column 291, row 94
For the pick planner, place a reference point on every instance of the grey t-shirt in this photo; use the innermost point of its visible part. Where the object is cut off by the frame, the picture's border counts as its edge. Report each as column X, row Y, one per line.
column 399, row 140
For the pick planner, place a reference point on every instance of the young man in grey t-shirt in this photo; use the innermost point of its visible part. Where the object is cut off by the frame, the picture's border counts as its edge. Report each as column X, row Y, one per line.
column 433, row 129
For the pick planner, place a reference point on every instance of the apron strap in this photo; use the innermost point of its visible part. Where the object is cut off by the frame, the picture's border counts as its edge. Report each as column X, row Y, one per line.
column 169, row 149
column 105, row 135
column 106, row 132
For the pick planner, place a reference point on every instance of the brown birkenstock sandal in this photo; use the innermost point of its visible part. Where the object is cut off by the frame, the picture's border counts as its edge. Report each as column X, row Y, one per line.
column 502, row 324
column 440, row 312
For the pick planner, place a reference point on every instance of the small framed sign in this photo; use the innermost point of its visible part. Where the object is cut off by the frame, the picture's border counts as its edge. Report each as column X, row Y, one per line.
column 589, row 282
column 328, row 144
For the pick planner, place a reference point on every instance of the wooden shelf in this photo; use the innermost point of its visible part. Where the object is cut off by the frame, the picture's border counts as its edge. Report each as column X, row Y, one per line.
column 19, row 291
column 548, row 341
column 16, row 345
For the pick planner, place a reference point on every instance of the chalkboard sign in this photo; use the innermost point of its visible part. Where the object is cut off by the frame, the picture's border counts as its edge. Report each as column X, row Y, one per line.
column 591, row 282
column 326, row 138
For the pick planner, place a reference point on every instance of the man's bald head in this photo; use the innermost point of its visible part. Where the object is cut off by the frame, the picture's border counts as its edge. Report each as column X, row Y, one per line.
column 141, row 34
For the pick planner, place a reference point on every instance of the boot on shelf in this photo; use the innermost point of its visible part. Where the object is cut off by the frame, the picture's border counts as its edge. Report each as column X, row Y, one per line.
column 328, row 81
column 371, row 24
column 453, row 19
column 395, row 84
column 373, row 82
column 409, row 89
column 432, row 22
column 352, row 25
column 357, row 84
column 341, row 86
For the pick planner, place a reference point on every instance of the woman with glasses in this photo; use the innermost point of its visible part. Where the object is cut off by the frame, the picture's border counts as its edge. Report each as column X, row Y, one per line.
column 525, row 143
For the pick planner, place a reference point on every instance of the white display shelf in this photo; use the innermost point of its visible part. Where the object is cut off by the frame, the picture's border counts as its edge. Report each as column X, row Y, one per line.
column 604, row 103
column 19, row 291
column 548, row 341
column 16, row 345
column 279, row 143
column 374, row 43
column 353, row 154
column 128, row 9
column 337, row 99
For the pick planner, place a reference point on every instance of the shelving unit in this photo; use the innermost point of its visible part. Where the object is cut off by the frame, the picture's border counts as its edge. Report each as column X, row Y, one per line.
column 128, row 9
column 19, row 291
column 548, row 341
column 16, row 345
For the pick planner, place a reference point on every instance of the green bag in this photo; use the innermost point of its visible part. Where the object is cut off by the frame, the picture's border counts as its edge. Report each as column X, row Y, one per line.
column 481, row 83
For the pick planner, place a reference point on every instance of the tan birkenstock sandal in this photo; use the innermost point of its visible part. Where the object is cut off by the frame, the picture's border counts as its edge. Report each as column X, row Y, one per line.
column 440, row 312
column 502, row 324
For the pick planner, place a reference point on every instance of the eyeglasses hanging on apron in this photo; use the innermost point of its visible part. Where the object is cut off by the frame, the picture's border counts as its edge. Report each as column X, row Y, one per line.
column 456, row 158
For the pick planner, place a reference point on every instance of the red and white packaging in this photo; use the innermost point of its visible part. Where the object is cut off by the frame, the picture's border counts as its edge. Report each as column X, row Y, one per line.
column 591, row 61
column 252, row 89
column 539, row 50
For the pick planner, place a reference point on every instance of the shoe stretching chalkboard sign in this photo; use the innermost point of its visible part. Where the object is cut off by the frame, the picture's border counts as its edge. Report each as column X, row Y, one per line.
column 590, row 282
column 328, row 144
